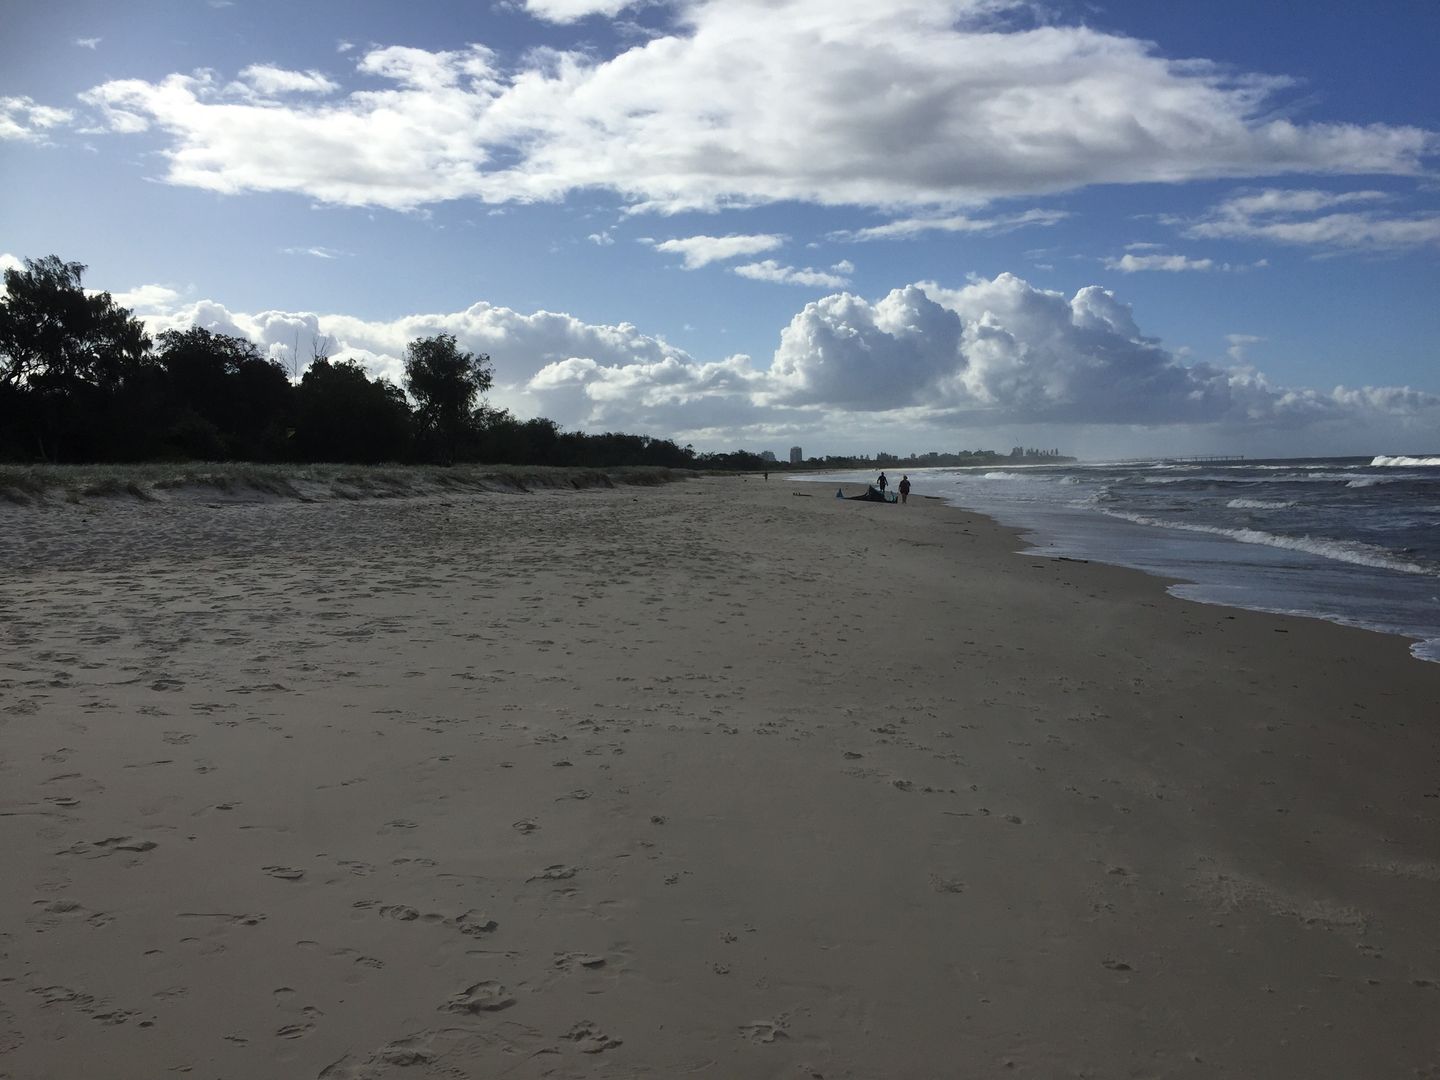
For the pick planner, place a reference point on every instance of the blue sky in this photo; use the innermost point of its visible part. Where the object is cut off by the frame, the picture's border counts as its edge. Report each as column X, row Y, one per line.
column 1117, row 228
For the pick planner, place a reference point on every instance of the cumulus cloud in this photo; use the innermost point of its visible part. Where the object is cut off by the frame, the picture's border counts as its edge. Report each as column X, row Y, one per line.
column 935, row 105
column 698, row 251
column 21, row 118
column 149, row 299
column 91, row 43
column 1308, row 218
column 913, row 367
column 1238, row 343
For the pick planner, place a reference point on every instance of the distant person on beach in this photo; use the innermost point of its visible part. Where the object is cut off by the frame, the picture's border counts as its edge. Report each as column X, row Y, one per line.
column 904, row 488
column 882, row 483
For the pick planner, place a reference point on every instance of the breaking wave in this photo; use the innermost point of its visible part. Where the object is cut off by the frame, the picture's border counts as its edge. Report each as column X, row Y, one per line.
column 1340, row 550
column 1400, row 461
column 1257, row 504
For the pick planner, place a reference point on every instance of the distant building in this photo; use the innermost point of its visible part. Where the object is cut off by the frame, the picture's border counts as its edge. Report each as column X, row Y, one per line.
column 767, row 455
column 796, row 455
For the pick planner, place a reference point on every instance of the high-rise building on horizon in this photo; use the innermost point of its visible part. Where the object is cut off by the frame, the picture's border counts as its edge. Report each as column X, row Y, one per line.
column 796, row 456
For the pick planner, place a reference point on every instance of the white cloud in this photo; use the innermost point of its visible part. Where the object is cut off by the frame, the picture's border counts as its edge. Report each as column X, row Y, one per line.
column 8, row 262
column 153, row 299
column 22, row 119
column 952, row 223
column 601, row 238
column 269, row 81
column 1294, row 217
column 566, row 11
column 314, row 252
column 923, row 104
column 88, row 42
column 698, row 251
column 1238, row 343
column 770, row 270
column 1134, row 264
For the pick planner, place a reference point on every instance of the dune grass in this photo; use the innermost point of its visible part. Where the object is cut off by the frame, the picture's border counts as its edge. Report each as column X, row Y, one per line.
column 156, row 482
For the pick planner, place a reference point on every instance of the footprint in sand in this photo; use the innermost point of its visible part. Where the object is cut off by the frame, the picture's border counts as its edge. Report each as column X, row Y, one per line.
column 474, row 923
column 487, row 996
column 242, row 919
column 765, row 1031
column 56, row 913
column 284, row 873
column 400, row 912
column 569, row 961
column 590, row 1038
column 555, row 872
column 108, row 846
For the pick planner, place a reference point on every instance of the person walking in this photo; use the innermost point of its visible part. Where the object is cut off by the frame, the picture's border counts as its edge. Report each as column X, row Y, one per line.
column 904, row 488
column 882, row 483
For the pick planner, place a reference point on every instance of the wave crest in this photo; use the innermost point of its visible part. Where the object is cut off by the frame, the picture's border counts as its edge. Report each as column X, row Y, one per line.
column 1401, row 461
column 1347, row 551
column 1257, row 504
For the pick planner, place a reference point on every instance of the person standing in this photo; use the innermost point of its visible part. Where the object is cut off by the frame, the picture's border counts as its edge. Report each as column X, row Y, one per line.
column 882, row 483
column 904, row 488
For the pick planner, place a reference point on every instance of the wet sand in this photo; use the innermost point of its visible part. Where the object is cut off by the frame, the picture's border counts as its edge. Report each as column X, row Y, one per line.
column 726, row 778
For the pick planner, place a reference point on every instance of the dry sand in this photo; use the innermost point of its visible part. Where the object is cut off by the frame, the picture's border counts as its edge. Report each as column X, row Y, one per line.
column 710, row 780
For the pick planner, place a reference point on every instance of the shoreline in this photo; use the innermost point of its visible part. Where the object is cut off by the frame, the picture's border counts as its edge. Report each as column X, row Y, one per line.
column 1222, row 570
column 703, row 778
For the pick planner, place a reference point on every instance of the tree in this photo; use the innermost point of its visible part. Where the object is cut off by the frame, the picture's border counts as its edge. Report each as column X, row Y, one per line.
column 344, row 415
column 65, row 357
column 445, row 382
column 232, row 402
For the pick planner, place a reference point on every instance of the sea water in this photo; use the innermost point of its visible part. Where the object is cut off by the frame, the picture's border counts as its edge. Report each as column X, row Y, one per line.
column 1351, row 540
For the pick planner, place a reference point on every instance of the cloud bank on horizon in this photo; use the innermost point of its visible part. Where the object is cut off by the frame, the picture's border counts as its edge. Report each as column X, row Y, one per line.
column 926, row 360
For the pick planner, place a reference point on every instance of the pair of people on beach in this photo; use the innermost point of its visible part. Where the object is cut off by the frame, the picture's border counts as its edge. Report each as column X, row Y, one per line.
column 904, row 488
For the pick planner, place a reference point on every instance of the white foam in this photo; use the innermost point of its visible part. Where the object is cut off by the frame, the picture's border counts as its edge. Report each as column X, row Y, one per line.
column 1371, row 481
column 1257, row 504
column 1400, row 461
column 1339, row 550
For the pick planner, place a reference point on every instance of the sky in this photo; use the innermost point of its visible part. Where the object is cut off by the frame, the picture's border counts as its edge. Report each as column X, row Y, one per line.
column 1113, row 228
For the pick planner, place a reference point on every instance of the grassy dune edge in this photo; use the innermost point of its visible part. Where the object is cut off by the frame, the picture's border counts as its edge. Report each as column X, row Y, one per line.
column 39, row 484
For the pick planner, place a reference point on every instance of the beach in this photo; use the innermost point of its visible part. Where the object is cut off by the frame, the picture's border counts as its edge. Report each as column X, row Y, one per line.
column 722, row 778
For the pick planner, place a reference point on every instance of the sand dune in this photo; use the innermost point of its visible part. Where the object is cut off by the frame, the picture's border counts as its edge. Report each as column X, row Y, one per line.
column 726, row 778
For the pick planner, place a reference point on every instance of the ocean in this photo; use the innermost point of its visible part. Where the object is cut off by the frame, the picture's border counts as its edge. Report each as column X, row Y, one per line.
column 1352, row 540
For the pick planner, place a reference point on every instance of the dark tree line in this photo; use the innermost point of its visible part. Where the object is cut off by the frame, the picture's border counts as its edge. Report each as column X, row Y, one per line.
column 81, row 381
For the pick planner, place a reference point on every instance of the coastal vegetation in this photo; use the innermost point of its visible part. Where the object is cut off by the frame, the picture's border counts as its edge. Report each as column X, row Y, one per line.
column 81, row 381
column 156, row 482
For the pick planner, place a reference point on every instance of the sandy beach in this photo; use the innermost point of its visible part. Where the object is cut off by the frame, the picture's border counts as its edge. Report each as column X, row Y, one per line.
column 725, row 778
